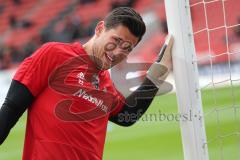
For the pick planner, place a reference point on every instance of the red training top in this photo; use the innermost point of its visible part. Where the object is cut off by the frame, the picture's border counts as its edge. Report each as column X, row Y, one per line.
column 73, row 102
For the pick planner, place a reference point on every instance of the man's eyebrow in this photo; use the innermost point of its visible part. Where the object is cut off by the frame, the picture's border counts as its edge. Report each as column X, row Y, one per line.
column 118, row 37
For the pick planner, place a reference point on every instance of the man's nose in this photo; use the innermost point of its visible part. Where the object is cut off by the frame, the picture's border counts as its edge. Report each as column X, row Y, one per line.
column 118, row 52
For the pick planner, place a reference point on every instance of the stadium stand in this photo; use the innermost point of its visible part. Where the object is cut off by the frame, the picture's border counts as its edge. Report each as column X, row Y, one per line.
column 26, row 24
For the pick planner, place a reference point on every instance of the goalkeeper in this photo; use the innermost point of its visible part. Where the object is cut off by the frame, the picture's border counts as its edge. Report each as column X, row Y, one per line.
column 69, row 94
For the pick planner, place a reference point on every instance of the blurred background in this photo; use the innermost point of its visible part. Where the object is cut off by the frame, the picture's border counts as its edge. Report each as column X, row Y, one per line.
column 27, row 24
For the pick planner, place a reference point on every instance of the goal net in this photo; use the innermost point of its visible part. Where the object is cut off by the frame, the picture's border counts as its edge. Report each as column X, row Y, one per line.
column 207, row 75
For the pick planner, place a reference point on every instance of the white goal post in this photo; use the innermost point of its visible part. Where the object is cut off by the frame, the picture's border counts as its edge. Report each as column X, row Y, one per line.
column 186, row 79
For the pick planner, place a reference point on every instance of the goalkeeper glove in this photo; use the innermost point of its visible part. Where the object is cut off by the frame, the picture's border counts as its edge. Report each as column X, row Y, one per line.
column 159, row 70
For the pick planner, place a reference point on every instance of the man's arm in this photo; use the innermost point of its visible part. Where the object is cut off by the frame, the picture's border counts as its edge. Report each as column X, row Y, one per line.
column 15, row 104
column 138, row 102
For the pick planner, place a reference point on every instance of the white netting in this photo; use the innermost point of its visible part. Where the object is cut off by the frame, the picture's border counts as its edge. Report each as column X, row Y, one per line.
column 216, row 27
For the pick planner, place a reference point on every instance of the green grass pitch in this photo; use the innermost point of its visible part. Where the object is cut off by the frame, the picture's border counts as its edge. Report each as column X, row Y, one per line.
column 156, row 140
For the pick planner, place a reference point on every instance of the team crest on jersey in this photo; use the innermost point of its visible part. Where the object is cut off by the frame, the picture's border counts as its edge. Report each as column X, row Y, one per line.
column 95, row 81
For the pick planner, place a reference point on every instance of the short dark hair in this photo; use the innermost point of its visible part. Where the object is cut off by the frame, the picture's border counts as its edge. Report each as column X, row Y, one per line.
column 127, row 17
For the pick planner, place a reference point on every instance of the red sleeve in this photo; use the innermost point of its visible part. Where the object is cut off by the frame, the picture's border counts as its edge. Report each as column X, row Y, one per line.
column 34, row 71
column 120, row 103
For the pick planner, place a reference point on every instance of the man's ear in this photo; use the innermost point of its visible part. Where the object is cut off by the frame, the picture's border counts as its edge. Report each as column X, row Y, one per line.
column 99, row 28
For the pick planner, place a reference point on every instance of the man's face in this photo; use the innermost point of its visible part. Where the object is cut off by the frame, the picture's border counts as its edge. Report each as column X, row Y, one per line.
column 112, row 46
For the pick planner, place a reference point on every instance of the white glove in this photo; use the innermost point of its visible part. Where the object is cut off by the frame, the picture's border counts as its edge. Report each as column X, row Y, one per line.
column 159, row 70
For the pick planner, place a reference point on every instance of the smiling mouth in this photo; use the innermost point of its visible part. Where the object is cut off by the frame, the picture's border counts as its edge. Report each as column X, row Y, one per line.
column 109, row 57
